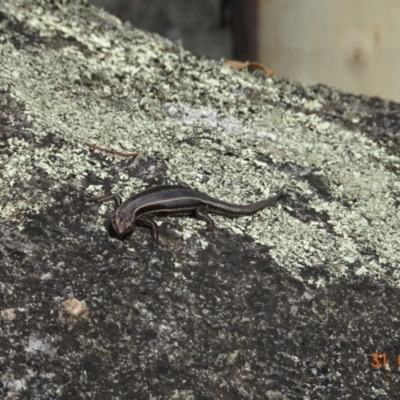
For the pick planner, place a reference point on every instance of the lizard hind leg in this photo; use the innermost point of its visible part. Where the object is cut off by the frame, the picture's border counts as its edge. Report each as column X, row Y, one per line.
column 201, row 213
column 185, row 185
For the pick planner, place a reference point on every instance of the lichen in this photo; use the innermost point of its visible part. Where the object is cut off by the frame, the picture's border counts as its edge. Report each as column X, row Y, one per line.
column 132, row 91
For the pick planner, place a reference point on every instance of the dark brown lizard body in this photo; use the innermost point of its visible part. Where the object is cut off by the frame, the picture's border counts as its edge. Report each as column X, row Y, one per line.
column 174, row 199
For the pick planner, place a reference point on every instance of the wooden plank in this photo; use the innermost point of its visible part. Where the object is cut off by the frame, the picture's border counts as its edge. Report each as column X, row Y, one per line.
column 350, row 44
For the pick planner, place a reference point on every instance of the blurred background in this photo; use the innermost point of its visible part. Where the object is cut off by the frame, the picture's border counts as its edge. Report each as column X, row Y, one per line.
column 352, row 45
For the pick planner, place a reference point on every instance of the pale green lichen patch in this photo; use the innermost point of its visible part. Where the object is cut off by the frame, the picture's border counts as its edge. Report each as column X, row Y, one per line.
column 130, row 91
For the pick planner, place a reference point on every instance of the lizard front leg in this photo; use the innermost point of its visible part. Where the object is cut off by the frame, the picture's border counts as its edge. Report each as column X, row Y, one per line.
column 149, row 223
column 115, row 197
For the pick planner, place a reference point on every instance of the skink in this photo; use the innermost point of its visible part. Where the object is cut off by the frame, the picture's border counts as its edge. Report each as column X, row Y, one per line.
column 173, row 199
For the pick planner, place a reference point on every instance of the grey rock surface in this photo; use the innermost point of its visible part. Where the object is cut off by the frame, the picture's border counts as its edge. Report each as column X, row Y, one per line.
column 286, row 304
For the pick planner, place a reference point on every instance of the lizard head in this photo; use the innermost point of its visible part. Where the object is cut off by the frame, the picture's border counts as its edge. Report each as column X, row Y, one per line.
column 122, row 225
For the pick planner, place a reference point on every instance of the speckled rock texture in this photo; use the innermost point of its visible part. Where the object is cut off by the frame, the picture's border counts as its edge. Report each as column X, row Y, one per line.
column 289, row 303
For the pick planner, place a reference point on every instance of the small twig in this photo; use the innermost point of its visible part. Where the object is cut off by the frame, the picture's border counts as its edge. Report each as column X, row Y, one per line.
column 115, row 152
